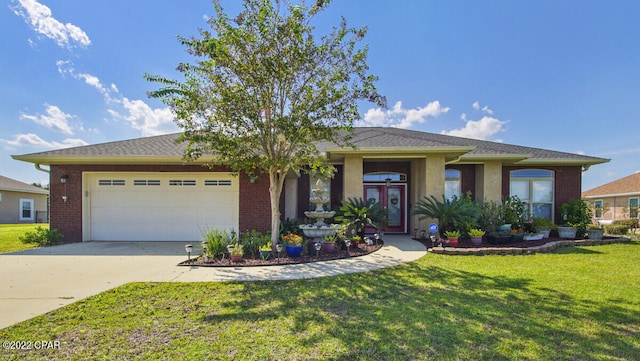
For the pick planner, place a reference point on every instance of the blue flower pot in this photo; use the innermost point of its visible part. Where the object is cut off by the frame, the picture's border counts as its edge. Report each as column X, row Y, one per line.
column 294, row 251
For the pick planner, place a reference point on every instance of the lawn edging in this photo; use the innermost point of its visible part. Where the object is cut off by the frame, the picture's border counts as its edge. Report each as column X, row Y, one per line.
column 545, row 248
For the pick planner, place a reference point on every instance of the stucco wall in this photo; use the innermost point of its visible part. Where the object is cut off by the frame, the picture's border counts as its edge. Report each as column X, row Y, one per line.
column 10, row 206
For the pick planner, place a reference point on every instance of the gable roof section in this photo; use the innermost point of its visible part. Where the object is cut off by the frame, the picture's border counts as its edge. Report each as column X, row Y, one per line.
column 629, row 185
column 12, row 185
column 374, row 142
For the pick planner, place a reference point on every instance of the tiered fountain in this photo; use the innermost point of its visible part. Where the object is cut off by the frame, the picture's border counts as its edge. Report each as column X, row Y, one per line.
column 319, row 229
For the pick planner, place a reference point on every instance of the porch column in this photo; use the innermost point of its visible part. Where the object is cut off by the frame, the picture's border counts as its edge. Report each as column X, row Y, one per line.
column 352, row 177
column 427, row 178
column 489, row 182
column 291, row 197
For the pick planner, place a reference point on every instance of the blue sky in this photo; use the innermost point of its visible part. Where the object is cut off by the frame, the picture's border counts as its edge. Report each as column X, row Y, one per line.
column 560, row 75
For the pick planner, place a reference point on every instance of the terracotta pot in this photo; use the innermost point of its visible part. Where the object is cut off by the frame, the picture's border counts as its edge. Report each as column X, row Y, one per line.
column 453, row 241
column 236, row 257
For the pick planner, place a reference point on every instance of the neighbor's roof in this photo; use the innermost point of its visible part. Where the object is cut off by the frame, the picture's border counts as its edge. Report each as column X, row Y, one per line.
column 12, row 185
column 370, row 142
column 628, row 185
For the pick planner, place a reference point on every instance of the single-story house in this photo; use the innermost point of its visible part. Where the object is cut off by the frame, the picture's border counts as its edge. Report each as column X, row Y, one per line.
column 141, row 189
column 22, row 202
column 615, row 200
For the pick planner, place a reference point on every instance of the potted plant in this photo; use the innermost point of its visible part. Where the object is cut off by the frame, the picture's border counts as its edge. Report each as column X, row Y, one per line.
column 329, row 243
column 452, row 237
column 355, row 241
column 476, row 236
column 265, row 251
column 575, row 214
column 542, row 225
column 236, row 252
column 518, row 234
column 293, row 244
column 595, row 232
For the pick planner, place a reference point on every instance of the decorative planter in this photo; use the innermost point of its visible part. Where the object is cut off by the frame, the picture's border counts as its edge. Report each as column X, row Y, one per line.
column 499, row 239
column 453, row 241
column 517, row 237
column 476, row 241
column 505, row 227
column 264, row 255
column 533, row 237
column 545, row 232
column 329, row 247
column 595, row 233
column 566, row 232
column 236, row 257
column 294, row 251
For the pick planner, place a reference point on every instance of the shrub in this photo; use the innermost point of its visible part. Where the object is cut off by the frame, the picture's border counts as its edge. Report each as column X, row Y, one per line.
column 252, row 241
column 41, row 237
column 360, row 214
column 617, row 228
column 215, row 241
column 452, row 214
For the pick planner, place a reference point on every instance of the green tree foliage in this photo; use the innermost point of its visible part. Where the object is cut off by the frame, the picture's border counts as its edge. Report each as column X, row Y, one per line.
column 265, row 89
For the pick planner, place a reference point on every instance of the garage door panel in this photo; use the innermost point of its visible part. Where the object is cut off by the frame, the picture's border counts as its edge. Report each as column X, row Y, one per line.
column 161, row 212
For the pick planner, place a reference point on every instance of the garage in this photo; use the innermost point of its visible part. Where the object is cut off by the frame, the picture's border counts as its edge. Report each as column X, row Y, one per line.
column 158, row 206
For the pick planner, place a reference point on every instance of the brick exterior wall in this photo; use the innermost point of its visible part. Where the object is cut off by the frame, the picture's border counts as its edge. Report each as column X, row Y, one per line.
column 567, row 185
column 66, row 217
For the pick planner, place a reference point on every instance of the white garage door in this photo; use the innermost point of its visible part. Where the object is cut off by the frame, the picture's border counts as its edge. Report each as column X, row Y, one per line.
column 159, row 206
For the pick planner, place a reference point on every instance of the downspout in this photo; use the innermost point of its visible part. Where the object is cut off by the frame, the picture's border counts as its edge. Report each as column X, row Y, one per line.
column 39, row 167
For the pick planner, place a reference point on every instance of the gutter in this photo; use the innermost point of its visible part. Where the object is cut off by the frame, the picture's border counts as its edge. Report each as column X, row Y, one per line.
column 39, row 167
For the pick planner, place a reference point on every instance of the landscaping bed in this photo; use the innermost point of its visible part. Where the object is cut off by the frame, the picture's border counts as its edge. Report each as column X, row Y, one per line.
column 361, row 250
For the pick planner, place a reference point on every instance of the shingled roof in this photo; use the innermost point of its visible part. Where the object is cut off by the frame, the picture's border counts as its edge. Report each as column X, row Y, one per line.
column 12, row 185
column 628, row 185
column 164, row 149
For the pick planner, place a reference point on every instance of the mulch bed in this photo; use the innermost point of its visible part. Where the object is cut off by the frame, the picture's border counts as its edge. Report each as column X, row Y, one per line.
column 361, row 250
column 466, row 243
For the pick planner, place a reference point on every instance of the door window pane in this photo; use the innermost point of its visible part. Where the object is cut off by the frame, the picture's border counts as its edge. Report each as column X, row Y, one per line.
column 393, row 207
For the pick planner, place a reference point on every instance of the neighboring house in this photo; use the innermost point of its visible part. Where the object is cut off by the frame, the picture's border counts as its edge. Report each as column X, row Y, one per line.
column 615, row 200
column 141, row 189
column 21, row 202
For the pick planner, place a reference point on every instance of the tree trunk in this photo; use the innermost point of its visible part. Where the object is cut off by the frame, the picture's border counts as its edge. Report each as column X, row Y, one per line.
column 276, row 182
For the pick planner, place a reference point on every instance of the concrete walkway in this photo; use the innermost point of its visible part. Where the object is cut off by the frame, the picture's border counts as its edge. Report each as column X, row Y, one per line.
column 40, row 280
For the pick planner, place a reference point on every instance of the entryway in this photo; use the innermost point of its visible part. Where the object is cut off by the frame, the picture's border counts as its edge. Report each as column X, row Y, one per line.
column 393, row 199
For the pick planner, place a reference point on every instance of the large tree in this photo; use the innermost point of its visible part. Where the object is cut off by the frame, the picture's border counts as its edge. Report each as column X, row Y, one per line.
column 264, row 89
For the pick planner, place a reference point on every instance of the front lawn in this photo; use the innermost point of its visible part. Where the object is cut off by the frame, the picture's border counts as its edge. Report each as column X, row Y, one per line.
column 9, row 234
column 579, row 303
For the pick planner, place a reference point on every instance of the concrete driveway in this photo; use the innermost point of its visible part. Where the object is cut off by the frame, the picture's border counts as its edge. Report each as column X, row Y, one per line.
column 40, row 280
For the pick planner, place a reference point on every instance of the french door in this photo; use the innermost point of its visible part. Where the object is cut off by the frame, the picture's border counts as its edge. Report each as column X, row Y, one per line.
column 393, row 199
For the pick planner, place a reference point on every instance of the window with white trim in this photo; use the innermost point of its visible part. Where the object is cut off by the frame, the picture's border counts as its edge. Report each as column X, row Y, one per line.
column 598, row 206
column 633, row 207
column 26, row 210
column 535, row 188
column 452, row 183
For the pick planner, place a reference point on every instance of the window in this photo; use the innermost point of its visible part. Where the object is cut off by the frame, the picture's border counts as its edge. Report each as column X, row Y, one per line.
column 452, row 183
column 26, row 209
column 382, row 177
column 109, row 182
column 535, row 188
column 178, row 182
column 146, row 182
column 633, row 207
column 598, row 207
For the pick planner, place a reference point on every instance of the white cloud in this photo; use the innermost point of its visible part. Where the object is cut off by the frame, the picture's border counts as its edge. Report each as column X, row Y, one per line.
column 41, row 20
column 485, row 109
column 32, row 140
column 145, row 119
column 400, row 117
column 54, row 119
column 484, row 128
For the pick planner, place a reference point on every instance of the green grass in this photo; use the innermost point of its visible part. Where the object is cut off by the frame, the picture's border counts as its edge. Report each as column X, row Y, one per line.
column 579, row 303
column 9, row 234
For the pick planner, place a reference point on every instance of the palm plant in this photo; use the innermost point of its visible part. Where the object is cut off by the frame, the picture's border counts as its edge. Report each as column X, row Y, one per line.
column 452, row 214
column 355, row 212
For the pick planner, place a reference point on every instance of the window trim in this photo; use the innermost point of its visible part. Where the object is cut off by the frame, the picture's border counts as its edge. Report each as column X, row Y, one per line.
column 636, row 207
column 31, row 209
column 531, row 175
column 596, row 208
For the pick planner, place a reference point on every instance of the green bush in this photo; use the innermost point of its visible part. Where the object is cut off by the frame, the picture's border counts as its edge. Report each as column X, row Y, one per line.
column 456, row 213
column 252, row 241
column 216, row 241
column 619, row 229
column 41, row 237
